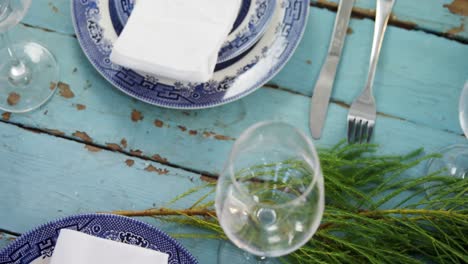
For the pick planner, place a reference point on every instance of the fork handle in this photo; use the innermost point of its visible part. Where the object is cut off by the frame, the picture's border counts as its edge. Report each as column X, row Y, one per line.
column 383, row 12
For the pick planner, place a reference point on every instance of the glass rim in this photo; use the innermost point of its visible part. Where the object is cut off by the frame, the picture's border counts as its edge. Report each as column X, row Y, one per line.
column 462, row 115
column 317, row 175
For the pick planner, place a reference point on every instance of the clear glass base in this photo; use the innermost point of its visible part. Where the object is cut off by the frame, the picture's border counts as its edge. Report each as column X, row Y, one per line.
column 228, row 253
column 29, row 83
column 453, row 163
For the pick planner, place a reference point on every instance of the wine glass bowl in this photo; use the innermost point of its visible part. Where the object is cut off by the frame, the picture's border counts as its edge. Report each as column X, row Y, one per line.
column 28, row 71
column 12, row 12
column 270, row 196
column 454, row 159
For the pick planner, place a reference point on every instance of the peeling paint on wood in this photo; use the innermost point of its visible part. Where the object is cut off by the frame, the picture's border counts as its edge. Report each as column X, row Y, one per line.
column 309, row 62
column 158, row 123
column 208, row 179
column 65, row 90
column 349, row 31
column 114, row 147
column 193, row 132
column 83, row 136
column 123, row 142
column 136, row 115
column 458, row 7
column 151, row 168
column 130, row 162
column 80, row 107
column 456, row 30
column 92, row 148
column 6, row 116
column 136, row 152
column 55, row 132
column 158, row 158
column 210, row 134
column 222, row 137
column 13, row 98
column 182, row 128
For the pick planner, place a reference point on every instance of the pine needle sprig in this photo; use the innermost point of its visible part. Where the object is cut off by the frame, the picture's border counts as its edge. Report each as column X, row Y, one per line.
column 377, row 211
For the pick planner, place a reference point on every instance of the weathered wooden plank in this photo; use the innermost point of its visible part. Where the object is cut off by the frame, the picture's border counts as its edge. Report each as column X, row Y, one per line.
column 39, row 184
column 419, row 78
column 199, row 139
column 440, row 16
column 409, row 82
column 446, row 17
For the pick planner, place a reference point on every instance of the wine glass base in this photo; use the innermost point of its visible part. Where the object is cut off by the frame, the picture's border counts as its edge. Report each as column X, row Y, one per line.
column 39, row 84
column 228, row 253
column 453, row 163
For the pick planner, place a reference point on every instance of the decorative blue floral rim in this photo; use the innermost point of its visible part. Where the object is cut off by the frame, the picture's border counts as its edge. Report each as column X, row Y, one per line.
column 40, row 242
column 238, row 78
column 247, row 36
column 245, row 32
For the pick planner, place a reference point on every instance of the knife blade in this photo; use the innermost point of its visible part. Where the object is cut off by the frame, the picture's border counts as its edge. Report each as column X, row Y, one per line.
column 324, row 85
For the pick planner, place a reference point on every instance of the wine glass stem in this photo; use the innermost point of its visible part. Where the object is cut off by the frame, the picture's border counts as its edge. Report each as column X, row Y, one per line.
column 19, row 73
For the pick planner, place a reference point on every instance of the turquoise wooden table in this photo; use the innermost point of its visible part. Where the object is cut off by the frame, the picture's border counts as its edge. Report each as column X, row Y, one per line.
column 92, row 148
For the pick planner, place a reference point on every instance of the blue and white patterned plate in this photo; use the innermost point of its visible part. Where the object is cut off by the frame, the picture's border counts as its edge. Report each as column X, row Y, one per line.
column 232, row 80
column 251, row 23
column 37, row 246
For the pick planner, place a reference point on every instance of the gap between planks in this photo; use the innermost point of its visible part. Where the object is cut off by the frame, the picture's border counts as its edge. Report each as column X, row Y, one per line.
column 8, row 232
column 206, row 176
column 361, row 13
column 347, row 106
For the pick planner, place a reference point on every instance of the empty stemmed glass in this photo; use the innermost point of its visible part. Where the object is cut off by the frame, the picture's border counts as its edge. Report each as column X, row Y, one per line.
column 28, row 71
column 270, row 195
column 454, row 160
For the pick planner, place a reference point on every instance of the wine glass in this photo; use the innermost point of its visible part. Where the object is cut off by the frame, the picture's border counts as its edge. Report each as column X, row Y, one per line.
column 270, row 195
column 28, row 71
column 454, row 160
column 463, row 108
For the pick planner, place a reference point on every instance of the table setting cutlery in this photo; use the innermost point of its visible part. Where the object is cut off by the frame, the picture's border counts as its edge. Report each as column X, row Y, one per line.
column 324, row 85
column 363, row 111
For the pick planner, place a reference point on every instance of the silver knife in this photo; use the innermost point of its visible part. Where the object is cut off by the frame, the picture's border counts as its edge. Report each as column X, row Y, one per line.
column 323, row 87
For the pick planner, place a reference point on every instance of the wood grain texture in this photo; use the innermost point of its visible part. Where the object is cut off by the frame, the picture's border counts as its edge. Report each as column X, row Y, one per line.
column 39, row 184
column 44, row 177
column 419, row 77
column 440, row 16
column 409, row 72
column 446, row 17
column 407, row 88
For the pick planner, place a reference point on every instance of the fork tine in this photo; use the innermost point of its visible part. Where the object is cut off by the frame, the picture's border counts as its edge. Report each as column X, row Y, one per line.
column 370, row 129
column 358, row 130
column 364, row 131
column 351, row 122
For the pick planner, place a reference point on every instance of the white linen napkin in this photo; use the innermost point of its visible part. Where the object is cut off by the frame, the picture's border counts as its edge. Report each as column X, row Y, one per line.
column 78, row 248
column 177, row 39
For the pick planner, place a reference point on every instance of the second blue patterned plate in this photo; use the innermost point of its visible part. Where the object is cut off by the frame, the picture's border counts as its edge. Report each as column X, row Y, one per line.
column 37, row 246
column 96, row 30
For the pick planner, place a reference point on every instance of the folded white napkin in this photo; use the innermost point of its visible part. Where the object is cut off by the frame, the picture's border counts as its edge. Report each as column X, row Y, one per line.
column 177, row 39
column 78, row 248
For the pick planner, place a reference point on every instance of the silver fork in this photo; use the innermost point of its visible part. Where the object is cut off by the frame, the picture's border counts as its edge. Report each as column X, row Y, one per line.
column 363, row 112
